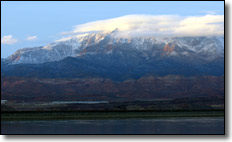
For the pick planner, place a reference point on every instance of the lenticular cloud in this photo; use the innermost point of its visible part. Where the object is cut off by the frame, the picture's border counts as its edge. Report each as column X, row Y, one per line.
column 156, row 25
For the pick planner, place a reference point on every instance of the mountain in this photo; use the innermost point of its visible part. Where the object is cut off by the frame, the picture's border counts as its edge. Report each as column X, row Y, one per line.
column 102, row 66
column 148, row 48
column 108, row 56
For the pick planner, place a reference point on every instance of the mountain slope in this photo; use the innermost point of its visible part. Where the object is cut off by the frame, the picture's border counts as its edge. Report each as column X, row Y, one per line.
column 114, row 67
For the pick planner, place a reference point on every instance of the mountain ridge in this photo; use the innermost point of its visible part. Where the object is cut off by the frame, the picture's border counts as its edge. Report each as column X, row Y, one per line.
column 207, row 48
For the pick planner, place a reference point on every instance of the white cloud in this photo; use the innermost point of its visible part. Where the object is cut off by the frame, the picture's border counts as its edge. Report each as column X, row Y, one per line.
column 201, row 26
column 8, row 39
column 156, row 25
column 31, row 38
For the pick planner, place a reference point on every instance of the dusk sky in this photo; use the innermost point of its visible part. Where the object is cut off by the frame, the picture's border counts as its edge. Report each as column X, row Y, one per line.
column 30, row 24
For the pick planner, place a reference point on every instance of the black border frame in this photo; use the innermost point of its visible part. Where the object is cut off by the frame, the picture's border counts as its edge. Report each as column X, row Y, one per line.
column 226, row 37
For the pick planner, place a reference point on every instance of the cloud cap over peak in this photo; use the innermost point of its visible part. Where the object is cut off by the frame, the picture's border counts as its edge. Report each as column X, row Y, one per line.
column 156, row 25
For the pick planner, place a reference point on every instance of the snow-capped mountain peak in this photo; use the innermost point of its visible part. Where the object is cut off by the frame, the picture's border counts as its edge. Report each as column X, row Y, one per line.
column 100, row 43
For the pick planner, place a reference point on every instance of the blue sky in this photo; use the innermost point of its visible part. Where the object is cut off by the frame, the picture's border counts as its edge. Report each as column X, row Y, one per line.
column 39, row 23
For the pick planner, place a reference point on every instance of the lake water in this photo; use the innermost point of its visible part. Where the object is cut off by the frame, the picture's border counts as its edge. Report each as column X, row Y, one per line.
column 212, row 125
